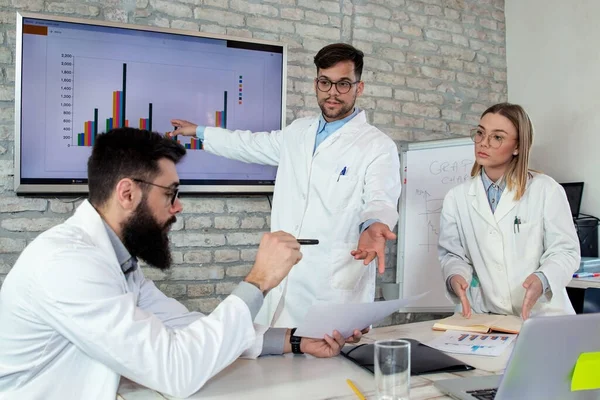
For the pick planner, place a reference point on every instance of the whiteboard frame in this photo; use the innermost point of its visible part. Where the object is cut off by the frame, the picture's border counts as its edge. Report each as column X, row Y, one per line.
column 404, row 148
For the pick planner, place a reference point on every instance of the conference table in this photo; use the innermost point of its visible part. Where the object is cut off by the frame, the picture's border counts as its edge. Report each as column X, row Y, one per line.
column 584, row 283
column 582, row 300
column 305, row 377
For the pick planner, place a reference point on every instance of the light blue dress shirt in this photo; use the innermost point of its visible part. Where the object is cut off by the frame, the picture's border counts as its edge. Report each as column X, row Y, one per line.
column 324, row 130
column 494, row 193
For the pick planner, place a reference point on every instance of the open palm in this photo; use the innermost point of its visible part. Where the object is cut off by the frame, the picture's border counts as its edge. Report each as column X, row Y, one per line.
column 371, row 244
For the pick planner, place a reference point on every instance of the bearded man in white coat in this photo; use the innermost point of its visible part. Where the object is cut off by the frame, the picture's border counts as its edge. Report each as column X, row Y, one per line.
column 77, row 313
column 338, row 180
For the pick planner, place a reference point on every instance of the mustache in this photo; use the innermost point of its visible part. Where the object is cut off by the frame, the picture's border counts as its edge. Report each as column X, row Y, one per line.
column 170, row 222
column 334, row 99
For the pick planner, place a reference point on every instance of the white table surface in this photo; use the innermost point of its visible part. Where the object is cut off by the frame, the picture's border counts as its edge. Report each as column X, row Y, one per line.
column 584, row 283
column 305, row 377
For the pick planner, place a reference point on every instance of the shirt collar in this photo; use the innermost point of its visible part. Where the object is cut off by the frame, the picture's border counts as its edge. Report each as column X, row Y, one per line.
column 127, row 262
column 487, row 182
column 336, row 124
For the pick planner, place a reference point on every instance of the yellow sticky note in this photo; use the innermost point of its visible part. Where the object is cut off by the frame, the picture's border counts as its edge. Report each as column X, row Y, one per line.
column 586, row 375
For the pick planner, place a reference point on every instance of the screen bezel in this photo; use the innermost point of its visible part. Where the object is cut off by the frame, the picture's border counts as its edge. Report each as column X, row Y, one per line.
column 80, row 186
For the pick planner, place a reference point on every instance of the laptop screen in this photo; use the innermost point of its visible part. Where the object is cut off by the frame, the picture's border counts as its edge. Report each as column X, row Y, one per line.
column 574, row 191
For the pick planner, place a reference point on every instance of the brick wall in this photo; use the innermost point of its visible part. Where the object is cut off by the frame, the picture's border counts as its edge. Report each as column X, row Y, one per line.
column 431, row 68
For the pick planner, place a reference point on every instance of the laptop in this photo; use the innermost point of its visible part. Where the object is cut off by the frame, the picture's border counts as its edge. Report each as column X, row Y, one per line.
column 574, row 191
column 541, row 364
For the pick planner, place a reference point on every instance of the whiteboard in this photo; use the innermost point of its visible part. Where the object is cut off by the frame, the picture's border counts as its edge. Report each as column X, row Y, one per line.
column 429, row 170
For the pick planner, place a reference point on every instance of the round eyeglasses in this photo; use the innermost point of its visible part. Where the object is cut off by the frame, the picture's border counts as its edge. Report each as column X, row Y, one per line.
column 494, row 140
column 324, row 85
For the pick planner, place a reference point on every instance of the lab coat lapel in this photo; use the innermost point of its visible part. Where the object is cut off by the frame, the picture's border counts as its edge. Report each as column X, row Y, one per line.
column 480, row 201
column 505, row 205
column 309, row 144
column 345, row 133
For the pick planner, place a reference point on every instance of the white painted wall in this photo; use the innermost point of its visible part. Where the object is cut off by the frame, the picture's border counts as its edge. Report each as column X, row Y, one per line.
column 553, row 62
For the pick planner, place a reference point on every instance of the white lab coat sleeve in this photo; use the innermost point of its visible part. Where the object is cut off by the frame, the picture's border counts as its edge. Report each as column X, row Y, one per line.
column 256, row 349
column 251, row 147
column 86, row 300
column 561, row 256
column 451, row 251
column 171, row 312
column 175, row 315
column 382, row 187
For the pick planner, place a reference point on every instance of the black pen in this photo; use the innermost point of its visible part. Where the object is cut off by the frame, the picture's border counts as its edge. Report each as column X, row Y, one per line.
column 308, row 241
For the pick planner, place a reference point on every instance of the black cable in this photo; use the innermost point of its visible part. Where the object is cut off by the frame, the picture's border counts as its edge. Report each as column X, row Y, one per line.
column 270, row 205
column 587, row 216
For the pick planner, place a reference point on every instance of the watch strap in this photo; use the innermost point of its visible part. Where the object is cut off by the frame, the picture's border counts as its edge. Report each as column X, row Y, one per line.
column 295, row 342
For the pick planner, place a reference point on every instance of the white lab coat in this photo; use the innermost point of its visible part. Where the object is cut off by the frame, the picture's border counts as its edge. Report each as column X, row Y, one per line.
column 313, row 200
column 472, row 238
column 71, row 323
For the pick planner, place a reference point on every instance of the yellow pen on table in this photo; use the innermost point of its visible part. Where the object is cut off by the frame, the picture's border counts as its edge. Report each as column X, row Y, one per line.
column 355, row 390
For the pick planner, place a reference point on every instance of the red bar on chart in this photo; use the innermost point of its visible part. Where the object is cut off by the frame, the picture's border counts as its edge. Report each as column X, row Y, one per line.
column 115, row 113
column 218, row 119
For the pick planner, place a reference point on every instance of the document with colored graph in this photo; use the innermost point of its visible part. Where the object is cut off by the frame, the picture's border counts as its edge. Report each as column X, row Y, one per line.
column 486, row 344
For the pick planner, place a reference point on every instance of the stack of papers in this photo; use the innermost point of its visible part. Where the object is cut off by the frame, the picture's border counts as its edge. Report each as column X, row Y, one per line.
column 472, row 343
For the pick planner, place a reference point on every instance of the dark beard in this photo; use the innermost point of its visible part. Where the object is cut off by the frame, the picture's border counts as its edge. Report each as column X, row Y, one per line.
column 146, row 239
column 345, row 109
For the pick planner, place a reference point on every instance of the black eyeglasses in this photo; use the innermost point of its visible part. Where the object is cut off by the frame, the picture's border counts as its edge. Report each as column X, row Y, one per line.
column 343, row 87
column 174, row 190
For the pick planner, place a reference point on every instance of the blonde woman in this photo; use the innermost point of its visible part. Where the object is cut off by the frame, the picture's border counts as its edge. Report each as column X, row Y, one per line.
column 507, row 242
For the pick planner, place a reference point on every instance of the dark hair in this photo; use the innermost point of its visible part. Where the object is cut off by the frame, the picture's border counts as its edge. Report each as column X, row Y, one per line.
column 127, row 153
column 334, row 53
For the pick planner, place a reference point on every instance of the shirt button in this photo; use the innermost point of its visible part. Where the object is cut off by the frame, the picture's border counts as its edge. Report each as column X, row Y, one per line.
column 493, row 200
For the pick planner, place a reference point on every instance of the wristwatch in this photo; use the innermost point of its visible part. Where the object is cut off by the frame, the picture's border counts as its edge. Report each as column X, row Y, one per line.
column 295, row 342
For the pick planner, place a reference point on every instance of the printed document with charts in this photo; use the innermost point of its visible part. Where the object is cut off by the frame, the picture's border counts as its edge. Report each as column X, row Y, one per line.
column 483, row 344
column 480, row 323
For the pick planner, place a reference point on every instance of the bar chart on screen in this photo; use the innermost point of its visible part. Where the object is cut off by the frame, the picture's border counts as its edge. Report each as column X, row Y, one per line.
column 115, row 85
column 105, row 94
column 77, row 79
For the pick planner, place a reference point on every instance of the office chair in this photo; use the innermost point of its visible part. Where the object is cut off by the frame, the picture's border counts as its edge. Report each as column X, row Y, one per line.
column 591, row 301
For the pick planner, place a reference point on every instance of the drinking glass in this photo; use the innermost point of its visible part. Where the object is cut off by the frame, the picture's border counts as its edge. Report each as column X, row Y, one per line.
column 392, row 369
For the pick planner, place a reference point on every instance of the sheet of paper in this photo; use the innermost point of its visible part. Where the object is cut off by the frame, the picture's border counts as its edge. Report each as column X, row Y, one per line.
column 323, row 319
column 484, row 344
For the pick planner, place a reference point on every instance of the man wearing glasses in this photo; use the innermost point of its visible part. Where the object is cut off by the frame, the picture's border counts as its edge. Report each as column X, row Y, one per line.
column 338, row 181
column 77, row 313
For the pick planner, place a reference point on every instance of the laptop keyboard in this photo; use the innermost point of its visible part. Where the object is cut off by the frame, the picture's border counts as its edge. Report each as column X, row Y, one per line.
column 483, row 394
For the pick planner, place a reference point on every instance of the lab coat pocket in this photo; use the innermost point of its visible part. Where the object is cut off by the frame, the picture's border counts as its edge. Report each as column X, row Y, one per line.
column 341, row 189
column 346, row 272
column 529, row 241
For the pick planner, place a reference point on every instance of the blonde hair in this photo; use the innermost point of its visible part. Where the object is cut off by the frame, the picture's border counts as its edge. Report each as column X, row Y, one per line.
column 518, row 170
